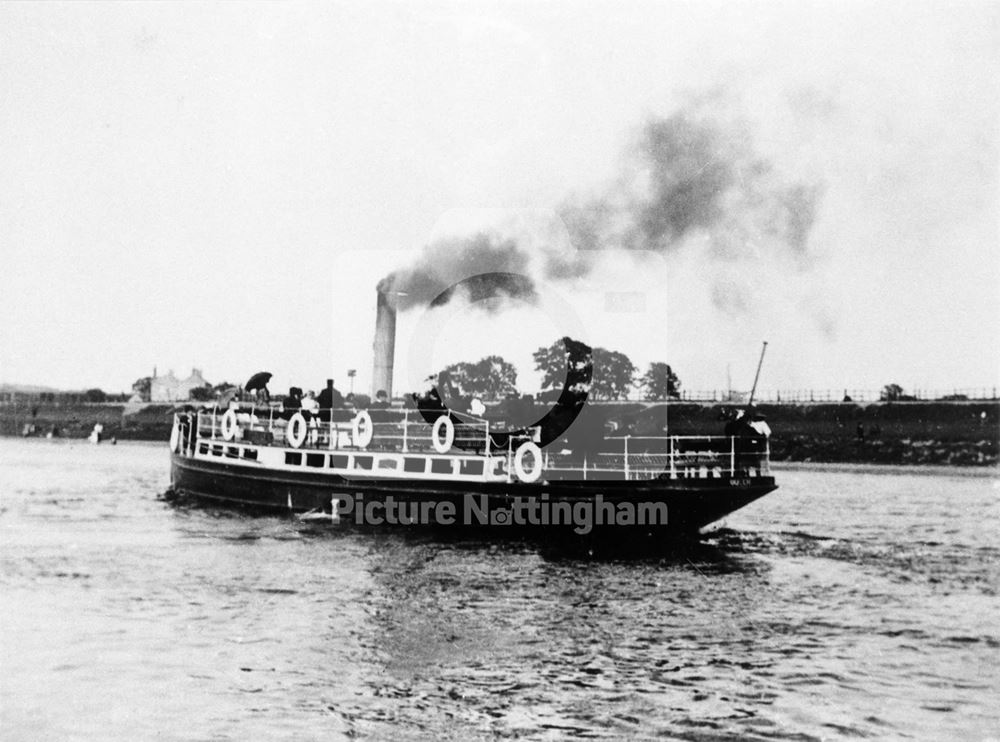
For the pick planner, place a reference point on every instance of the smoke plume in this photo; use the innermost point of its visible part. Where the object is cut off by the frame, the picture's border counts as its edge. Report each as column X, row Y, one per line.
column 694, row 182
column 691, row 182
column 479, row 268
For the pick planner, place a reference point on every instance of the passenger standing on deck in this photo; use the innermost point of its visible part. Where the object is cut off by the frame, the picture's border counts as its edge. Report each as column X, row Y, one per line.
column 735, row 420
column 751, row 433
column 759, row 425
column 330, row 397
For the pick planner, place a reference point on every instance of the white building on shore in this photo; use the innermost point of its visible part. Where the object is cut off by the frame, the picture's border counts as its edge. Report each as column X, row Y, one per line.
column 171, row 389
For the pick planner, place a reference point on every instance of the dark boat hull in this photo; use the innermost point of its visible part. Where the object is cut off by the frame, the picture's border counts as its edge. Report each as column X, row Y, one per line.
column 672, row 505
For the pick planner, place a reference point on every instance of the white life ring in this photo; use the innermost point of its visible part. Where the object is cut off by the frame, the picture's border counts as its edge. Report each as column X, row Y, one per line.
column 443, row 446
column 229, row 425
column 175, row 436
column 536, row 469
column 296, row 431
column 362, row 429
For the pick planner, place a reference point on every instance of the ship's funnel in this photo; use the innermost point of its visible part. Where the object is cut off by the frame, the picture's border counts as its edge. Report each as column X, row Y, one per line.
column 384, row 345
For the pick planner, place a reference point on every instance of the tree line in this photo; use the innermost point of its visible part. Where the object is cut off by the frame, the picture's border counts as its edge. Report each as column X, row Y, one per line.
column 614, row 375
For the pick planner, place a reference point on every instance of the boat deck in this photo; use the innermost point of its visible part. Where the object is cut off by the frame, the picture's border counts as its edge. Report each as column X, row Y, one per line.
column 401, row 444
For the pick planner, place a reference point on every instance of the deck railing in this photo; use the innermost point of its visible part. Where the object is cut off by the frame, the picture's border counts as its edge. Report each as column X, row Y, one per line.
column 402, row 430
column 673, row 457
column 632, row 458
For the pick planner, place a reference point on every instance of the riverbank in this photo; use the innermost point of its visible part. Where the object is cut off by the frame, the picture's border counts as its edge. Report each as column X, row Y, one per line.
column 889, row 433
column 122, row 420
column 952, row 434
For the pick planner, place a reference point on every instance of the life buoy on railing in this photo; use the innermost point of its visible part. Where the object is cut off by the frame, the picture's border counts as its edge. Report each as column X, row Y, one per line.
column 535, row 472
column 362, row 429
column 296, row 431
column 443, row 445
column 229, row 425
column 175, row 436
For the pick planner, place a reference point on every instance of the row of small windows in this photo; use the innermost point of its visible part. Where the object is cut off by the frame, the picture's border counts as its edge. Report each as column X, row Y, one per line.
column 229, row 452
column 411, row 465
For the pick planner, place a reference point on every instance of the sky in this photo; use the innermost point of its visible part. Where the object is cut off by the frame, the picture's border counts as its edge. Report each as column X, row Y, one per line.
column 222, row 186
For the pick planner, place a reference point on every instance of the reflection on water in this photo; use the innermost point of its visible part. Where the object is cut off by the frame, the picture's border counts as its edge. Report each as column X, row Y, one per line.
column 847, row 604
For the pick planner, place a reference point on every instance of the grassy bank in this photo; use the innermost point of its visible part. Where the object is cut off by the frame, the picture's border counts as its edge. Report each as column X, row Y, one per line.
column 950, row 433
column 121, row 420
column 943, row 433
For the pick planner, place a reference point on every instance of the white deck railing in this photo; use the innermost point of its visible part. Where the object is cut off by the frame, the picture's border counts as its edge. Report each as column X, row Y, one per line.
column 396, row 430
column 675, row 456
column 622, row 457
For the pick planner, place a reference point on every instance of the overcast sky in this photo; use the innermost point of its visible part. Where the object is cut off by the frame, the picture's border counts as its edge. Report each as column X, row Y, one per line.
column 222, row 185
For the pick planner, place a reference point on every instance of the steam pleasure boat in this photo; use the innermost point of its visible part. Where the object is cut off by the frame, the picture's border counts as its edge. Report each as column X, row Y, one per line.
column 427, row 464
column 387, row 466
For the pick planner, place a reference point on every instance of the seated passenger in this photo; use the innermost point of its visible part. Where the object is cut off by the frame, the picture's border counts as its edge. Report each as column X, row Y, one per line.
column 294, row 399
column 292, row 403
column 310, row 404
column 381, row 400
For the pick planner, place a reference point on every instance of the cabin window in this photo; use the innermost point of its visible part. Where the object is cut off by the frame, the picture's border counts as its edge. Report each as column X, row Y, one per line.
column 390, row 464
column 414, row 466
column 203, row 448
column 338, row 461
column 363, row 462
column 217, row 450
column 472, row 467
column 232, row 452
column 293, row 459
column 441, row 466
column 317, row 460
column 250, row 453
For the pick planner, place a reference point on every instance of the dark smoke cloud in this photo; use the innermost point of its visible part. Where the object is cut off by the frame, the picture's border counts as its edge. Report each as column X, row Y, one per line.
column 478, row 268
column 694, row 181
column 691, row 168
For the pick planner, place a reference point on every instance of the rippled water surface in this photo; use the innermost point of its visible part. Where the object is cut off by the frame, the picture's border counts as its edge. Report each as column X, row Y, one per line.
column 846, row 605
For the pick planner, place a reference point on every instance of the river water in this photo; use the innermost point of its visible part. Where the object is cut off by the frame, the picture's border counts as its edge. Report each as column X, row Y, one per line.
column 849, row 604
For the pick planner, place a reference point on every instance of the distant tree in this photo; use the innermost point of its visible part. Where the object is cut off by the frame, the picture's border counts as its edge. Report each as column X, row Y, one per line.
column 95, row 395
column 223, row 387
column 661, row 382
column 202, row 393
column 614, row 374
column 892, row 393
column 566, row 362
column 143, row 387
column 491, row 377
column 551, row 362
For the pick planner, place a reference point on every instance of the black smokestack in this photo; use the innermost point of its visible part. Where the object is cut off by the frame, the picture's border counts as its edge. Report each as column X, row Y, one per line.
column 384, row 346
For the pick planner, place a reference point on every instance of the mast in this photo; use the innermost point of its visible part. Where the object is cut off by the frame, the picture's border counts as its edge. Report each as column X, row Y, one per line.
column 760, row 363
